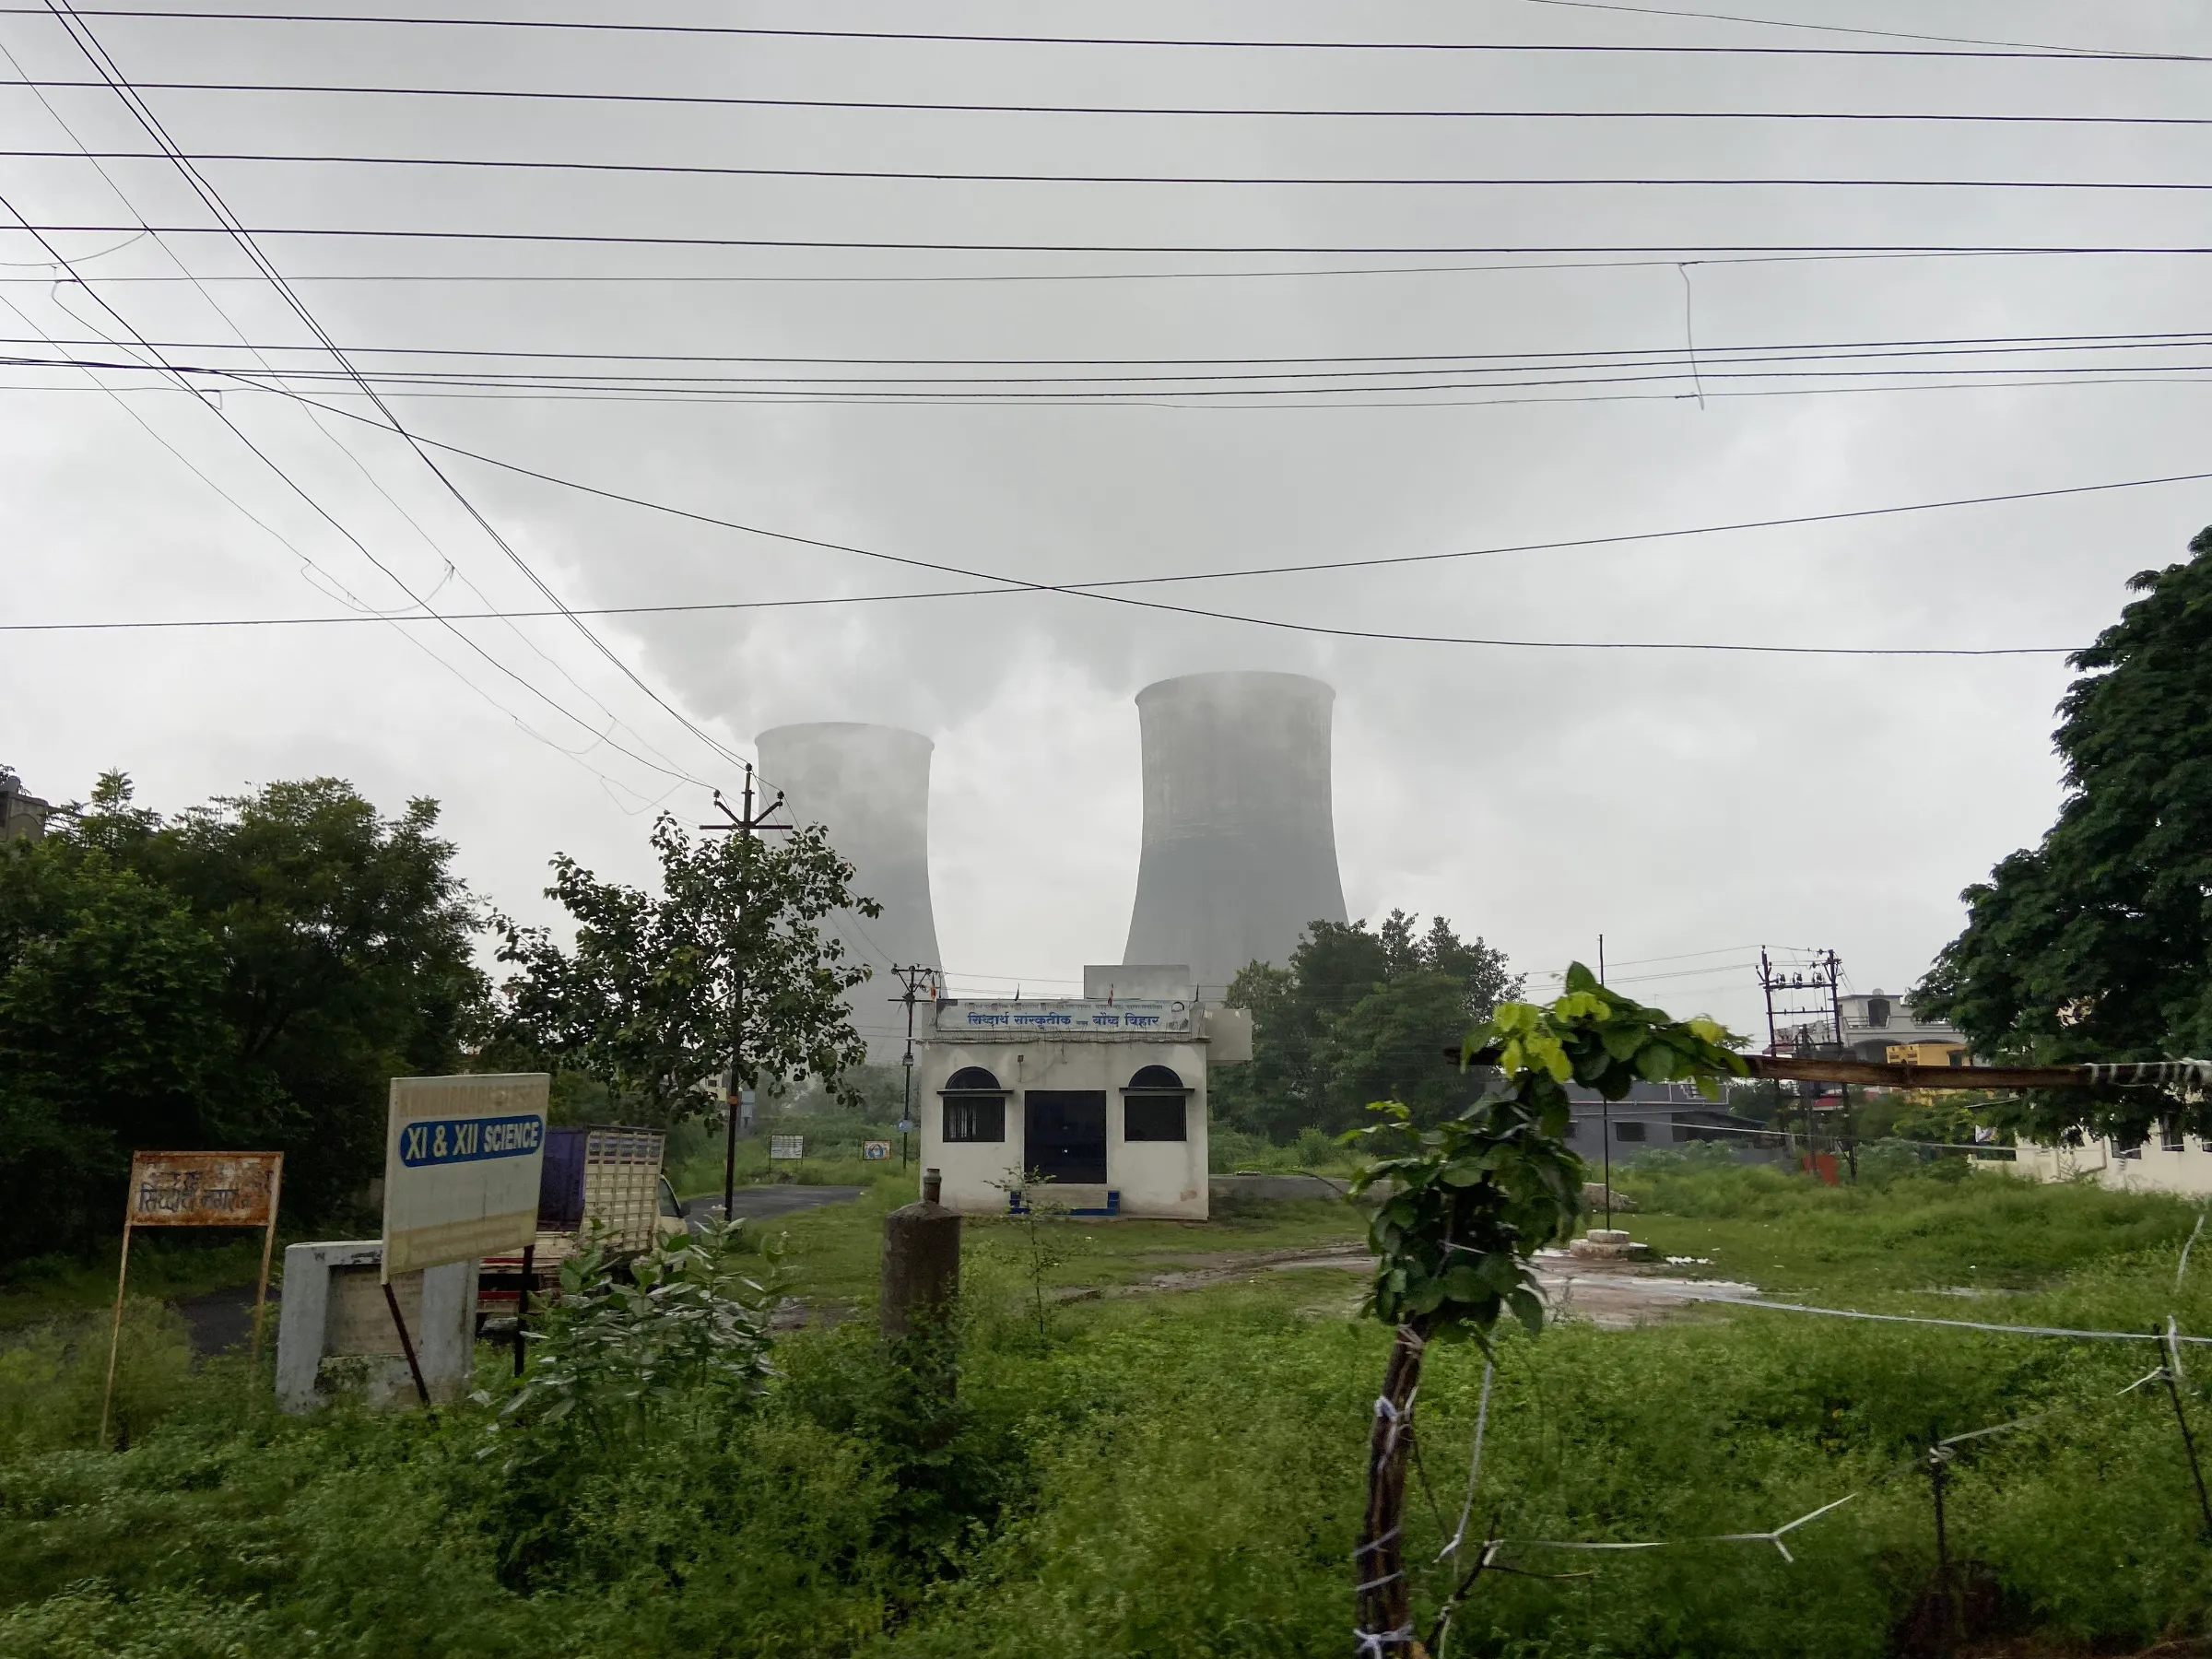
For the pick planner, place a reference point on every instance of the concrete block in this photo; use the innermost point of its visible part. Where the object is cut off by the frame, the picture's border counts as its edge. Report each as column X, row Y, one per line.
column 336, row 1331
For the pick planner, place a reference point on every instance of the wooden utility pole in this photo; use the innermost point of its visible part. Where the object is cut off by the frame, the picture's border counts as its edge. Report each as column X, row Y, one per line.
column 745, row 825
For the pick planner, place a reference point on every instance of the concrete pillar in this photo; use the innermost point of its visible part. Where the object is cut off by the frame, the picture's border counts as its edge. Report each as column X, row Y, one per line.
column 334, row 1308
column 921, row 1262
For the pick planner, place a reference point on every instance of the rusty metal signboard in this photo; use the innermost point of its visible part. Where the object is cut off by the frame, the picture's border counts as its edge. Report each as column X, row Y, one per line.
column 197, row 1189
column 204, row 1189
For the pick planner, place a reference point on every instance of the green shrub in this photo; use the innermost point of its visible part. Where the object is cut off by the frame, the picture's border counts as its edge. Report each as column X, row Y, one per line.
column 52, row 1377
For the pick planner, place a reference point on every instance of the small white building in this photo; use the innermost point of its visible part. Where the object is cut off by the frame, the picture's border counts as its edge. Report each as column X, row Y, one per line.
column 1104, row 1093
column 2169, row 1162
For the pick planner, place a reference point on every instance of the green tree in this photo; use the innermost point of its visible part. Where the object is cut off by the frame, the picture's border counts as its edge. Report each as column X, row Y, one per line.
column 250, row 974
column 1359, row 1015
column 657, row 989
column 2097, row 944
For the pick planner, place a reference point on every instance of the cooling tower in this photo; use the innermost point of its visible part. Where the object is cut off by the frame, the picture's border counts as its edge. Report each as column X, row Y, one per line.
column 870, row 785
column 1239, row 843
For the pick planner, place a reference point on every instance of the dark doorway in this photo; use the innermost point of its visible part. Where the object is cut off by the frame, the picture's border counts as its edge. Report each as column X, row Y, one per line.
column 1067, row 1135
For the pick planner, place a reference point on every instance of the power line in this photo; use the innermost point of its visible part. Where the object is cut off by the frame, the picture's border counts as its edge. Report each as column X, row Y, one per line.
column 1680, row 252
column 509, row 279
column 317, row 420
column 983, row 389
column 246, row 240
column 685, row 170
column 1886, row 34
column 1603, row 356
column 1099, row 589
column 267, row 461
column 917, row 106
column 1999, row 49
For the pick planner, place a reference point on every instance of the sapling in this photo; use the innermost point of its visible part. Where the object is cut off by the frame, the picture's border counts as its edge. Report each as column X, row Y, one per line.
column 1470, row 1203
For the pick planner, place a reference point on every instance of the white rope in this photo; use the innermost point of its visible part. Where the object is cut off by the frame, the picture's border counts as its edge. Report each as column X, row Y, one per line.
column 1393, row 1531
column 2183, row 1269
column 2174, row 1348
column 1388, row 1578
column 1957, row 1324
column 1774, row 1537
column 1482, row 1417
column 1372, row 1642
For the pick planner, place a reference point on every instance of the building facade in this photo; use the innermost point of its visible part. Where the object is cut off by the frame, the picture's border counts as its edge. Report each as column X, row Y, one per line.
column 2168, row 1162
column 1658, row 1117
column 1875, row 1022
column 1104, row 1097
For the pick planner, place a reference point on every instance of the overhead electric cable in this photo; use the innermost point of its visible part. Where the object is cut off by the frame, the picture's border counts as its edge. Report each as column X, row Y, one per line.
column 1079, row 391
column 918, row 106
column 1886, row 34
column 316, row 418
column 392, row 576
column 948, row 176
column 1780, row 352
column 1678, row 252
column 246, row 240
column 836, row 278
column 1101, row 590
column 1989, row 49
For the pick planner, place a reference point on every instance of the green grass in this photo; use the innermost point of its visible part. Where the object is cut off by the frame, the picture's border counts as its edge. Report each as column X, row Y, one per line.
column 1987, row 1231
column 836, row 1251
column 1181, row 1476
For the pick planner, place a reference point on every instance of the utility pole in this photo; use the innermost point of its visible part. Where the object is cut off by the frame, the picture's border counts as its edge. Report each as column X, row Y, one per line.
column 912, row 978
column 746, row 825
column 1809, row 992
column 1605, row 1109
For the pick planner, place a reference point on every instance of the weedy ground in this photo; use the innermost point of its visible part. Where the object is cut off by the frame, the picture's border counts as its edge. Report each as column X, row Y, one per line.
column 1181, row 1476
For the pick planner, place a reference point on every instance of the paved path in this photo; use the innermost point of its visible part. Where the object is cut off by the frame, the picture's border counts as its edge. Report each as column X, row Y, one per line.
column 763, row 1203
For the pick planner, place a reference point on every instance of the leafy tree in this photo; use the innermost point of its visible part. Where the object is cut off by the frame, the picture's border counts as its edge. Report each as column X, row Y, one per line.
column 1359, row 1015
column 2096, row 945
column 657, row 989
column 250, row 974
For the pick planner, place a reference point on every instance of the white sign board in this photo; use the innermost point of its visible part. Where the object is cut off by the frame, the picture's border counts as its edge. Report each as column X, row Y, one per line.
column 787, row 1146
column 462, row 1159
column 1048, row 1018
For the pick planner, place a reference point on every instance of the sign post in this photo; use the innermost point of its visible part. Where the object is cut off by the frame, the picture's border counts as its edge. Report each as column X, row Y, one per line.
column 463, row 1159
column 196, row 1189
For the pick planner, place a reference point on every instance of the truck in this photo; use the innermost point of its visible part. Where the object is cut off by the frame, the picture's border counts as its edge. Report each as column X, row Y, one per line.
column 602, row 1179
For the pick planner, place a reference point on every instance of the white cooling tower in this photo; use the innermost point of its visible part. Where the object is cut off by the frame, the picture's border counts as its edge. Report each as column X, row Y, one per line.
column 869, row 784
column 1239, row 850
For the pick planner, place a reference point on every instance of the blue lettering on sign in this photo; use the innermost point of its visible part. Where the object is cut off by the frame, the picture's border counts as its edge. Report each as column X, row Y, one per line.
column 463, row 1140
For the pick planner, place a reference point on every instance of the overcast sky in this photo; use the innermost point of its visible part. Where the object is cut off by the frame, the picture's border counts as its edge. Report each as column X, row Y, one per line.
column 1689, row 805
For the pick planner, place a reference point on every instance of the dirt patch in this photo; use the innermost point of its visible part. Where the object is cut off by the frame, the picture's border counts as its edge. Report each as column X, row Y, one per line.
column 1615, row 1295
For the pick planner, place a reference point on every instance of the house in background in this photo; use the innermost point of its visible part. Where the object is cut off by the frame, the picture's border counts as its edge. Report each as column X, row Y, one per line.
column 1874, row 1024
column 2168, row 1162
column 22, row 815
column 1662, row 1117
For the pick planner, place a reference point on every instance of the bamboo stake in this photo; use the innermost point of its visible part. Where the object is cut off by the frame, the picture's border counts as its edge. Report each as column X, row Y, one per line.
column 268, row 1246
column 1383, row 1595
column 122, row 1273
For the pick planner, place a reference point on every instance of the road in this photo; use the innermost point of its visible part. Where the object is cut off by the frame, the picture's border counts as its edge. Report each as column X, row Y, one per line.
column 764, row 1202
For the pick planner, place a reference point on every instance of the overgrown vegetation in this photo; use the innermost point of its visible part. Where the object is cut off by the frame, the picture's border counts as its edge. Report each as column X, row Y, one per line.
column 249, row 973
column 1174, row 1475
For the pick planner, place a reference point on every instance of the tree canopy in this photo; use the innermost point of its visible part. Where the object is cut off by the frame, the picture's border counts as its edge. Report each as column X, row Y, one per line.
column 650, row 997
column 1359, row 1015
column 247, row 974
column 2097, row 944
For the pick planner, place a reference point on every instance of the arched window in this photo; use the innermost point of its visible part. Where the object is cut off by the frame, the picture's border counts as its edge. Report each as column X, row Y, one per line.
column 1156, row 1106
column 975, row 1106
